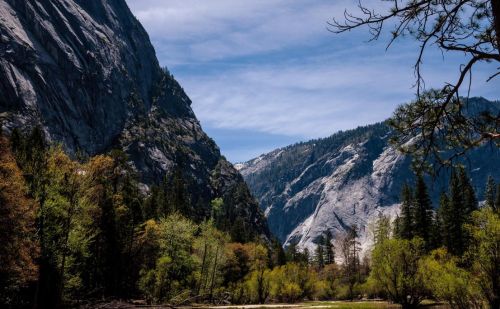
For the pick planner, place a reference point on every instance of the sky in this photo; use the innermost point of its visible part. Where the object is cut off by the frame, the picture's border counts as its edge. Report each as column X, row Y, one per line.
column 264, row 74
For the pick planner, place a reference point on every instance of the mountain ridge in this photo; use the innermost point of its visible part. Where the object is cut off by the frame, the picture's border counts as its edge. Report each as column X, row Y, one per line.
column 345, row 179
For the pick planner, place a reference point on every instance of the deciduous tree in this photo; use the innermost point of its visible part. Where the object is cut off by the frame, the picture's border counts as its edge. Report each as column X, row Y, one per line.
column 20, row 249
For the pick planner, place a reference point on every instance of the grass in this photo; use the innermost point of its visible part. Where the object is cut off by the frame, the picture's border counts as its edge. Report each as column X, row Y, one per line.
column 350, row 305
column 337, row 305
column 363, row 305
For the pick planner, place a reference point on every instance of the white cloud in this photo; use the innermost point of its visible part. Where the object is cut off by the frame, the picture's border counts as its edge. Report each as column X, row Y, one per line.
column 313, row 98
column 309, row 90
column 216, row 29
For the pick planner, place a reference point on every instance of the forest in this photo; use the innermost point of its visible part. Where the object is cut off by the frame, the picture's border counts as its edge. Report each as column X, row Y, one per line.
column 79, row 230
column 135, row 225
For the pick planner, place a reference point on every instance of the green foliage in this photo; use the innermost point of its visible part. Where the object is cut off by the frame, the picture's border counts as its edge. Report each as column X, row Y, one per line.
column 278, row 255
column 329, row 249
column 490, row 193
column 403, row 273
column 259, row 279
column 351, row 264
column 443, row 127
column 326, row 282
column 172, row 274
column 405, row 221
column 382, row 229
column 416, row 218
column 217, row 205
column 422, row 213
column 292, row 282
column 484, row 253
column 319, row 254
column 449, row 282
column 395, row 267
column 324, row 253
column 98, row 237
column 210, row 246
column 455, row 212
column 497, row 200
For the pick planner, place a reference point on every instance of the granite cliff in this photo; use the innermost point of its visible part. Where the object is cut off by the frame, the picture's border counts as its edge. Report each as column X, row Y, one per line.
column 346, row 179
column 86, row 72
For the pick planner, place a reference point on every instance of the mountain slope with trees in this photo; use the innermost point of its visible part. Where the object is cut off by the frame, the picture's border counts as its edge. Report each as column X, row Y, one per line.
column 347, row 179
column 86, row 73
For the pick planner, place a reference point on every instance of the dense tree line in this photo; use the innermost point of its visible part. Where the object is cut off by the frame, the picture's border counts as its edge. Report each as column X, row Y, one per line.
column 81, row 230
column 452, row 254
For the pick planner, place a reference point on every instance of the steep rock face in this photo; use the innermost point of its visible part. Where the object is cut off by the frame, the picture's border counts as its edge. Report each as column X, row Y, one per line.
column 344, row 180
column 87, row 73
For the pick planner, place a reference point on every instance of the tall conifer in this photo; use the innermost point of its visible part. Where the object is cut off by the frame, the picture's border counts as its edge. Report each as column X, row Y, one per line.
column 489, row 195
column 422, row 211
column 406, row 218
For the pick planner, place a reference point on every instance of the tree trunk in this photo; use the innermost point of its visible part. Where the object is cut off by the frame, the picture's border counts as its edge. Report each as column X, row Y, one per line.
column 202, row 281
column 495, row 7
column 212, row 284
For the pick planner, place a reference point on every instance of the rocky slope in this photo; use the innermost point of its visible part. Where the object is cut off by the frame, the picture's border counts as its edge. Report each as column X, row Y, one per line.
column 87, row 73
column 345, row 179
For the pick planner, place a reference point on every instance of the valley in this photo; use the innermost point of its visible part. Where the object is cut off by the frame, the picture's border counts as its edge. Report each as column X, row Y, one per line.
column 112, row 194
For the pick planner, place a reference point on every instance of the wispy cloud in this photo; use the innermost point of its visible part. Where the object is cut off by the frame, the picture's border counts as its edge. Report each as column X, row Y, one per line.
column 270, row 66
column 311, row 98
column 217, row 29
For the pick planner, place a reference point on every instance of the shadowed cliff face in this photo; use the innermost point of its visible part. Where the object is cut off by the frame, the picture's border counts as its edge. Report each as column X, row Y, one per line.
column 346, row 179
column 87, row 72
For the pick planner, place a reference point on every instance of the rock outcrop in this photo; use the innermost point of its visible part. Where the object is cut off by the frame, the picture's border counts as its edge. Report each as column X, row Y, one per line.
column 344, row 180
column 87, row 73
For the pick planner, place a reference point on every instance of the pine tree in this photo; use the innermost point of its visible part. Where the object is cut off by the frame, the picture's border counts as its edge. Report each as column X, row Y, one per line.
column 422, row 213
column 31, row 154
column 497, row 200
column 278, row 256
column 238, row 231
column 155, row 206
column 292, row 253
column 456, row 218
column 462, row 203
column 350, row 251
column 406, row 228
column 127, row 203
column 319, row 253
column 490, row 193
column 396, row 230
column 444, row 220
column 469, row 196
column 382, row 229
column 305, row 257
column 177, row 195
column 329, row 249
column 435, row 237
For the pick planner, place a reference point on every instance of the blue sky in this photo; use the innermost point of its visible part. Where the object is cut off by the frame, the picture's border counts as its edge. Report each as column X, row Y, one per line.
column 266, row 73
